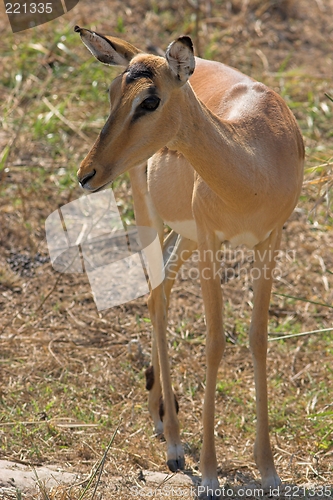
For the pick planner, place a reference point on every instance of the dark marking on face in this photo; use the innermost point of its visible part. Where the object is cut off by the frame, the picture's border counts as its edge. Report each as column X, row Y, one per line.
column 161, row 407
column 105, row 130
column 138, row 70
column 149, row 378
column 148, row 105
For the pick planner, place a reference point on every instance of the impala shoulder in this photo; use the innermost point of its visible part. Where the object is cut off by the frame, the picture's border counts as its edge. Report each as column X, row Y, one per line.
column 241, row 100
column 252, row 90
column 251, row 99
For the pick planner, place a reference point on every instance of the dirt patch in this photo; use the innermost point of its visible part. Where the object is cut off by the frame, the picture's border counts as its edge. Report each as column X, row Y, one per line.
column 15, row 476
column 148, row 484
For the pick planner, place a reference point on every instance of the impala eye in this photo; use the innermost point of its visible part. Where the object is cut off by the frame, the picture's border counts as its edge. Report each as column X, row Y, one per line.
column 150, row 103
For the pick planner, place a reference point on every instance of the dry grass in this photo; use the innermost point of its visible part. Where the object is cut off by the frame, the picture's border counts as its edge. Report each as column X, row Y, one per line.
column 69, row 375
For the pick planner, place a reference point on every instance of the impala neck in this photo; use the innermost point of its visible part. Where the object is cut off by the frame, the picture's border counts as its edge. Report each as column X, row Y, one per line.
column 215, row 148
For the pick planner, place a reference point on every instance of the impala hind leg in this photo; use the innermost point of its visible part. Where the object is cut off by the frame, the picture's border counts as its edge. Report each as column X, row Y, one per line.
column 180, row 249
column 181, row 252
column 263, row 267
column 154, row 388
column 215, row 344
column 157, row 308
column 153, row 380
column 147, row 216
column 158, row 305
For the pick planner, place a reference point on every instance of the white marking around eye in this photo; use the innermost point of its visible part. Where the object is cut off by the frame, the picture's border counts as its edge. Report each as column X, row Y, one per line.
column 135, row 104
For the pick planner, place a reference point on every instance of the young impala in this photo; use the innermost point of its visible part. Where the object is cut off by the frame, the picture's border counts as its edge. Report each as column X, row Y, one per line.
column 225, row 163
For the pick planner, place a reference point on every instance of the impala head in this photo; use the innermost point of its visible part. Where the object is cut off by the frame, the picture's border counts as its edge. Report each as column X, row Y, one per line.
column 144, row 101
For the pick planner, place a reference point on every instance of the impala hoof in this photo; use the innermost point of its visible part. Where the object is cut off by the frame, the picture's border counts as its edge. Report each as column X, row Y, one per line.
column 175, row 465
column 209, row 495
column 209, row 490
column 159, row 429
column 271, row 482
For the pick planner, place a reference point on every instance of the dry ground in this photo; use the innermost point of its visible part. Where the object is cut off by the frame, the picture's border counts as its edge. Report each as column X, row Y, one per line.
column 71, row 376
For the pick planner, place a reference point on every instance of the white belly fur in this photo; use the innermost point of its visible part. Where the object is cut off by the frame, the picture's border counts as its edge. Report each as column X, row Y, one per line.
column 187, row 228
column 248, row 239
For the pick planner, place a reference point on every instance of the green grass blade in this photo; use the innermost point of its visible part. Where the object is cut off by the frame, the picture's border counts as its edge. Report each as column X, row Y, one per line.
column 41, row 486
column 291, row 335
column 99, row 468
column 303, row 300
column 4, row 157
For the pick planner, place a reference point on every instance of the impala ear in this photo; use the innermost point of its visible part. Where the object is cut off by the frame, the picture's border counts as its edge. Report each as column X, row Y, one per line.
column 180, row 57
column 107, row 49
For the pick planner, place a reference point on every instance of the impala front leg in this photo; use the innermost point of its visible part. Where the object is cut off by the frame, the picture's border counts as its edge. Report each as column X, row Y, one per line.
column 215, row 344
column 262, row 283
column 158, row 312
column 177, row 250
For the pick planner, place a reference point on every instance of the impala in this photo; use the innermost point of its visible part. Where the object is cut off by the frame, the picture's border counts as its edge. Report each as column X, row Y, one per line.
column 225, row 163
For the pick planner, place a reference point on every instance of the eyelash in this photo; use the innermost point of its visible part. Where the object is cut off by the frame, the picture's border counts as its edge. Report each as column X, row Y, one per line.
column 154, row 100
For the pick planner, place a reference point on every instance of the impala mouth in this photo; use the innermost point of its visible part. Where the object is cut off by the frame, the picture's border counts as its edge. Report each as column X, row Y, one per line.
column 95, row 190
column 101, row 188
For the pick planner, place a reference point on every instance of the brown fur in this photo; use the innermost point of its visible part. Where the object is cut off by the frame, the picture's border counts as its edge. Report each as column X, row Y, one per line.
column 225, row 162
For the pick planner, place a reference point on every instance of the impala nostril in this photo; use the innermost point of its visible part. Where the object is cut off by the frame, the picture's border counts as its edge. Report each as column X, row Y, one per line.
column 87, row 178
